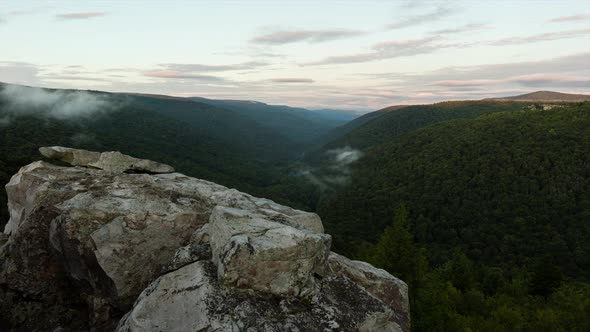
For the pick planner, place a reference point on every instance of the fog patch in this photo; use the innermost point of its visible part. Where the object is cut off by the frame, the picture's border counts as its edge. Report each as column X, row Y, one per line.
column 336, row 169
column 59, row 104
column 82, row 139
column 345, row 156
column 4, row 121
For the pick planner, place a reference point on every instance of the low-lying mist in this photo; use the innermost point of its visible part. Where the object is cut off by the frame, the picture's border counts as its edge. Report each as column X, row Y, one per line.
column 58, row 104
column 335, row 171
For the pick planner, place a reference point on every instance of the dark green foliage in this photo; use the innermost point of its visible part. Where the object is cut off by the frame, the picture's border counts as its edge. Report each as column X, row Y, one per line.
column 500, row 202
column 546, row 278
column 463, row 295
column 508, row 188
column 296, row 124
column 380, row 126
column 396, row 252
column 197, row 139
column 482, row 207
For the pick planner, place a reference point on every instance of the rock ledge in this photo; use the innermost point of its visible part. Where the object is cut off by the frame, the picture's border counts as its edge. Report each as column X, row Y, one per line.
column 120, row 243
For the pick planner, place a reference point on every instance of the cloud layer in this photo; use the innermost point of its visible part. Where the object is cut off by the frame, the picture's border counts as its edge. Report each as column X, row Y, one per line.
column 292, row 80
column 461, row 29
column 281, row 37
column 180, row 75
column 392, row 49
column 437, row 14
column 541, row 37
column 571, row 18
column 79, row 16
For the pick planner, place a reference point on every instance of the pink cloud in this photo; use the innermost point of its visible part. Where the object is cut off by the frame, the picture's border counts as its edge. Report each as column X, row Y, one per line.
column 572, row 18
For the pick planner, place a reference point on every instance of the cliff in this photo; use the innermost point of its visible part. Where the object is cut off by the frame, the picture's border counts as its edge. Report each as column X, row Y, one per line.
column 111, row 242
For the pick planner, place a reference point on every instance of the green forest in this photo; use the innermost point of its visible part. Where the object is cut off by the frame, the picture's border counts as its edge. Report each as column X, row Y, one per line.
column 487, row 219
column 482, row 207
column 197, row 139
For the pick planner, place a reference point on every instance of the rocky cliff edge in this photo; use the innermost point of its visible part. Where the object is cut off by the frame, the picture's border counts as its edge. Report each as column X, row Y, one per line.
column 119, row 243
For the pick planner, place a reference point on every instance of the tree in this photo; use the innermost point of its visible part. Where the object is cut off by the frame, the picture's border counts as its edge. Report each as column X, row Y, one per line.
column 397, row 253
column 546, row 278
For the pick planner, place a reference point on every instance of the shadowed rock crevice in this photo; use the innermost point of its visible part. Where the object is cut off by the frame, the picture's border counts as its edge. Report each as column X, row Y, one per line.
column 85, row 244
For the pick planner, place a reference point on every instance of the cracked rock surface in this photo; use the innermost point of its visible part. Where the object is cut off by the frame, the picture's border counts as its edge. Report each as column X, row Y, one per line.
column 119, row 243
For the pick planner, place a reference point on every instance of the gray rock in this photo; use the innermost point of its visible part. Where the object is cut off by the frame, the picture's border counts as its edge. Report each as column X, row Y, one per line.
column 379, row 322
column 3, row 239
column 251, row 251
column 113, row 161
column 74, row 157
column 389, row 289
column 192, row 299
column 83, row 243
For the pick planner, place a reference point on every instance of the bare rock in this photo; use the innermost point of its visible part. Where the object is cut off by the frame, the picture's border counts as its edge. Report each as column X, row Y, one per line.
column 74, row 157
column 113, row 161
column 83, row 243
column 389, row 289
column 253, row 252
column 192, row 299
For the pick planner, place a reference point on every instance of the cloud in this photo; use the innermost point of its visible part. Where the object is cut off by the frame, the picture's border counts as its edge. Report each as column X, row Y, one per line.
column 459, row 83
column 569, row 74
column 193, row 71
column 281, row 37
column 4, row 121
column 572, row 18
column 392, row 49
column 541, row 37
column 346, row 155
column 544, row 80
column 19, row 72
column 336, row 171
column 180, row 75
column 437, row 14
column 559, row 65
column 464, row 28
column 80, row 16
column 530, row 80
column 201, row 68
column 60, row 104
column 430, row 44
column 292, row 80
column 30, row 11
column 75, row 78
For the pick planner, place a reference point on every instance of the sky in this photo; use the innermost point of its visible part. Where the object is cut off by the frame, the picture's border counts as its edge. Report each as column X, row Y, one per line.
column 353, row 55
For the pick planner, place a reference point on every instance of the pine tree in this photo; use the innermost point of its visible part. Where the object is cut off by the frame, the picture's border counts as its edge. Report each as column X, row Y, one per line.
column 396, row 251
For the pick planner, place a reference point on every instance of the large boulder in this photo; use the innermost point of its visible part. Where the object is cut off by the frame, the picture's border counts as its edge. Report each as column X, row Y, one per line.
column 192, row 299
column 251, row 251
column 84, row 242
column 378, row 282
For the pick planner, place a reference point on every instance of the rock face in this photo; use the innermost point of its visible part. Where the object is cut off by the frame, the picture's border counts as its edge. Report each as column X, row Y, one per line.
column 102, row 246
column 113, row 161
column 253, row 252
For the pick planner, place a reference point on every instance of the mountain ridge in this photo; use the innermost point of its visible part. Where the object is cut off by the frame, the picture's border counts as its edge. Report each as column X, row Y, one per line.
column 545, row 96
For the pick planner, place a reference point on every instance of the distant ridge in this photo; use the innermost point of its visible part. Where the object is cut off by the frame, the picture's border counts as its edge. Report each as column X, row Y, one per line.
column 547, row 96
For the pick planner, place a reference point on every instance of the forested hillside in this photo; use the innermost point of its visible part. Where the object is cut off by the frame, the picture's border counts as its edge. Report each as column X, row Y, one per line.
column 297, row 124
column 400, row 120
column 500, row 204
column 198, row 139
column 483, row 207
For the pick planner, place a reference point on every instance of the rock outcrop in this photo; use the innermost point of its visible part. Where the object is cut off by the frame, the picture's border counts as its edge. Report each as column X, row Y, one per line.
column 120, row 243
column 112, row 161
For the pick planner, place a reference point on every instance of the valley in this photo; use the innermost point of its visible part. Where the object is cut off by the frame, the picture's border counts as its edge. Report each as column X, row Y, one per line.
column 482, row 207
